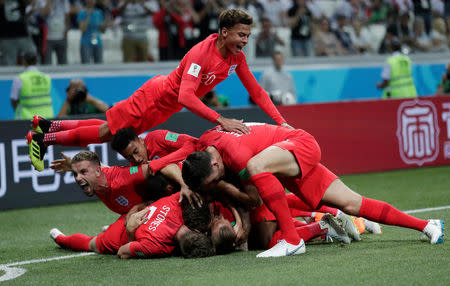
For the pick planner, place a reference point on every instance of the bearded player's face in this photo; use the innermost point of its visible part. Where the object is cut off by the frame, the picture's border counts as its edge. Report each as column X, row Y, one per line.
column 236, row 38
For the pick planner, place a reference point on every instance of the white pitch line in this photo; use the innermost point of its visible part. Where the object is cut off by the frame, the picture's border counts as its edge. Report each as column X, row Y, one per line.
column 14, row 272
column 427, row 210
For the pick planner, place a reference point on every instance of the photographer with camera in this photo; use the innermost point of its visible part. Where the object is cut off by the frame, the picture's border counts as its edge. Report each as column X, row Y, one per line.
column 444, row 85
column 79, row 101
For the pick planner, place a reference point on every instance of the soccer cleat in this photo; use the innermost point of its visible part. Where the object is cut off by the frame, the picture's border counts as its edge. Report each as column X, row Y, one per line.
column 372, row 227
column 283, row 248
column 40, row 124
column 54, row 233
column 435, row 231
column 348, row 226
column 37, row 149
column 335, row 231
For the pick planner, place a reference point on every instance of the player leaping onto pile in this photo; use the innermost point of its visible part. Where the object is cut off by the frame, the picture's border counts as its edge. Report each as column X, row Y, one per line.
column 203, row 67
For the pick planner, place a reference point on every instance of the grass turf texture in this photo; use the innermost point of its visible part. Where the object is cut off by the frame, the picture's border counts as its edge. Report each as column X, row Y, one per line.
column 397, row 257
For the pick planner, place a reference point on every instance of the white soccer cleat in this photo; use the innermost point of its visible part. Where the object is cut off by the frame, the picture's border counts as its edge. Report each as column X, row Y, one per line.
column 54, row 233
column 435, row 231
column 372, row 227
column 335, row 231
column 348, row 226
column 283, row 248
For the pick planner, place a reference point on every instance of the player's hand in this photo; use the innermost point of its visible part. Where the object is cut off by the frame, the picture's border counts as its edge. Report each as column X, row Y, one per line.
column 136, row 219
column 241, row 234
column 62, row 165
column 287, row 125
column 132, row 211
column 191, row 196
column 233, row 125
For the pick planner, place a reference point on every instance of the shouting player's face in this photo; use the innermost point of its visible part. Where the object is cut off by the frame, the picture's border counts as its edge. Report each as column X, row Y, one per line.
column 135, row 152
column 236, row 38
column 86, row 175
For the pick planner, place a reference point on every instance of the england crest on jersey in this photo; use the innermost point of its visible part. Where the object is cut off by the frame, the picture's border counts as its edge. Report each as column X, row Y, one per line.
column 231, row 70
column 122, row 201
column 417, row 132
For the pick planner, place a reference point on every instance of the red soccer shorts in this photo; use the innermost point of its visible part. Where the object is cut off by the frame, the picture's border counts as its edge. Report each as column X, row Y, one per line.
column 305, row 149
column 140, row 110
column 109, row 241
column 311, row 187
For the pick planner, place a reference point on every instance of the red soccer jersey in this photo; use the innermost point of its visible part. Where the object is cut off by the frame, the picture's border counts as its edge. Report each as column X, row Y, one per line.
column 202, row 68
column 236, row 149
column 165, row 147
column 155, row 237
column 124, row 183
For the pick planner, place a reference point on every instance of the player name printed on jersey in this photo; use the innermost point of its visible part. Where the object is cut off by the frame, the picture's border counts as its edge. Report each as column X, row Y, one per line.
column 417, row 131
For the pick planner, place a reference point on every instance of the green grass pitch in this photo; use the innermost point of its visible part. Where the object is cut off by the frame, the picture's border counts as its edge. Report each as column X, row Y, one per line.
column 397, row 257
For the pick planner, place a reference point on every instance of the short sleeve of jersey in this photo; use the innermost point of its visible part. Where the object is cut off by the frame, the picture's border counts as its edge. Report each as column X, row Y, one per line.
column 147, row 248
column 119, row 177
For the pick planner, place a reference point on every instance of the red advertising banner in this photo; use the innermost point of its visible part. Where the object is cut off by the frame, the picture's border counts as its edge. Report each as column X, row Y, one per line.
column 367, row 136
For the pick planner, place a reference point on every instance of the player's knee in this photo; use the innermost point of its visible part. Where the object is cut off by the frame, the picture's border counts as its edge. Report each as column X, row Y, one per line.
column 255, row 166
column 353, row 206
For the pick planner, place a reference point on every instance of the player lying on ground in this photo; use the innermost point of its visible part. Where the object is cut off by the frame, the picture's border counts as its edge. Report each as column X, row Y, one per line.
column 203, row 67
column 154, row 231
column 271, row 158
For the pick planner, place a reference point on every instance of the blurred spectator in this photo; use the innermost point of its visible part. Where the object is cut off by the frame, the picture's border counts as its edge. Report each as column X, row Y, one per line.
column 170, row 25
column 402, row 30
column 75, row 7
column 279, row 83
column 397, row 77
column 316, row 9
column 267, row 39
column 14, row 37
column 422, row 42
column 208, row 12
column 79, row 101
column 247, row 6
column 351, row 9
column 422, row 8
column 190, row 18
column 91, row 23
column 300, row 21
column 343, row 36
column 30, row 92
column 386, row 43
column 325, row 42
column 401, row 7
column 56, row 14
column 444, row 85
column 275, row 11
column 214, row 100
column 437, row 8
column 439, row 36
column 37, row 27
column 377, row 12
column 136, row 17
column 359, row 38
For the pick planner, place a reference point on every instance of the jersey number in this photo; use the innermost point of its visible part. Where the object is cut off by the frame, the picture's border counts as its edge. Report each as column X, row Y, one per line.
column 152, row 210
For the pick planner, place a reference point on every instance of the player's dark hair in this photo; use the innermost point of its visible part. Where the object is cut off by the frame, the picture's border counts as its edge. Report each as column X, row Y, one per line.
column 122, row 138
column 195, row 245
column 86, row 156
column 157, row 187
column 196, row 168
column 229, row 18
column 223, row 239
column 198, row 218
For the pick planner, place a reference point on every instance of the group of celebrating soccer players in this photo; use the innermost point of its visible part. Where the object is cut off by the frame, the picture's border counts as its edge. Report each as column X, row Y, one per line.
column 221, row 191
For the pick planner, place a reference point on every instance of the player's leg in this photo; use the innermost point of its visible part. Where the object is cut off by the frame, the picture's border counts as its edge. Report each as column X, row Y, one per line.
column 341, row 196
column 42, row 125
column 261, row 169
column 75, row 242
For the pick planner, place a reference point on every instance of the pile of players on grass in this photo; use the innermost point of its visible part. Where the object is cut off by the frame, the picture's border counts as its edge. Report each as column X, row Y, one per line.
column 160, row 215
